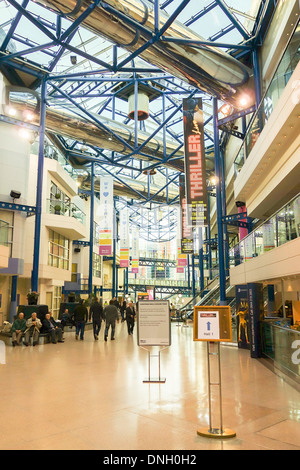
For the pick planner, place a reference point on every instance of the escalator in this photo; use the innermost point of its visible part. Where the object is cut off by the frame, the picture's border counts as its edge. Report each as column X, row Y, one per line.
column 210, row 296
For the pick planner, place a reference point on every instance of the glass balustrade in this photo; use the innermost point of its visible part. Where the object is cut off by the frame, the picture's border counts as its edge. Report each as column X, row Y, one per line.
column 67, row 209
column 281, row 344
column 4, row 226
column 279, row 82
column 279, row 229
column 159, row 282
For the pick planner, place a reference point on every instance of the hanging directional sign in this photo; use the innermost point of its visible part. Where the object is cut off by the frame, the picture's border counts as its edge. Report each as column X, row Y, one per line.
column 212, row 323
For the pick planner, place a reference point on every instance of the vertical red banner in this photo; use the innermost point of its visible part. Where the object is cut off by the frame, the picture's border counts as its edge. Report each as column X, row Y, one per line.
column 195, row 166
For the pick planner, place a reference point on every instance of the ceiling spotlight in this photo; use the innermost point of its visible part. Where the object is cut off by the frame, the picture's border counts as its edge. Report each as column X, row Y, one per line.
column 244, row 100
column 73, row 59
column 11, row 111
column 213, row 180
column 28, row 115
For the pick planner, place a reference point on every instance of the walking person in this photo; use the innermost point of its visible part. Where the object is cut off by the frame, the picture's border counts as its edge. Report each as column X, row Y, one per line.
column 80, row 318
column 111, row 315
column 130, row 315
column 96, row 313
column 123, row 309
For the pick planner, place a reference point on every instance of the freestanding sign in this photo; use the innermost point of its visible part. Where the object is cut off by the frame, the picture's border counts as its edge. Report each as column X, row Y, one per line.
column 154, row 329
column 212, row 323
column 153, row 323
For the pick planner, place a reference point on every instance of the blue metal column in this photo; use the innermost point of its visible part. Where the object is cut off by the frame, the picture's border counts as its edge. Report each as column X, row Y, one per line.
column 91, row 229
column 117, row 280
column 193, row 276
column 201, row 260
column 39, row 188
column 13, row 298
column 224, row 209
column 257, row 82
column 222, row 273
column 208, row 237
column 188, row 272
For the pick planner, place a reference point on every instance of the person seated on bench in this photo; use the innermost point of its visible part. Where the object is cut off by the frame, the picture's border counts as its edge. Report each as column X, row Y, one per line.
column 52, row 329
column 67, row 319
column 33, row 326
column 17, row 329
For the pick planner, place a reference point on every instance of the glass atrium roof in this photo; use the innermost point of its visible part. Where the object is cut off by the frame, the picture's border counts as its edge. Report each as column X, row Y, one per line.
column 34, row 39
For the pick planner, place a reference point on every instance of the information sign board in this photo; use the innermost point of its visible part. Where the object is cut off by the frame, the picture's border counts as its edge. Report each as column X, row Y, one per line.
column 212, row 323
column 153, row 323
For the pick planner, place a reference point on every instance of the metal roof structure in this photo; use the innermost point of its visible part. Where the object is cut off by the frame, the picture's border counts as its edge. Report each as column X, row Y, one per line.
column 90, row 55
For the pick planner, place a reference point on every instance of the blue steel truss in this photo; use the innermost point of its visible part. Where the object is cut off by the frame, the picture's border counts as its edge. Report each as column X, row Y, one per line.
column 79, row 89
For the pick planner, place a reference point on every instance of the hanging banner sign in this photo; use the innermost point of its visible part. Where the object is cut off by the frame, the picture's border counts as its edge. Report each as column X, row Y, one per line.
column 124, row 238
column 242, row 316
column 187, row 243
column 195, row 166
column 256, row 315
column 135, row 255
column 106, row 219
column 181, row 259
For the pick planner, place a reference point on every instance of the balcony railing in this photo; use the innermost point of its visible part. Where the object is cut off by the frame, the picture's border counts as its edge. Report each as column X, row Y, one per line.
column 68, row 209
column 279, row 82
column 279, row 344
column 4, row 226
column 161, row 283
column 279, row 229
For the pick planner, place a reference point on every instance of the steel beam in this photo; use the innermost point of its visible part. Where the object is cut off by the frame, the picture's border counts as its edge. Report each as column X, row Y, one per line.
column 39, row 189
column 91, row 246
column 222, row 273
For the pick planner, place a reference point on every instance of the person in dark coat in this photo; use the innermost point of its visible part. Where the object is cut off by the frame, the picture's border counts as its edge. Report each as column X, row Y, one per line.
column 111, row 315
column 116, row 302
column 123, row 309
column 96, row 313
column 80, row 317
column 52, row 329
column 130, row 314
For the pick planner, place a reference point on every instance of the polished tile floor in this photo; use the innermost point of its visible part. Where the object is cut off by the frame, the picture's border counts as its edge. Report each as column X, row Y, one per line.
column 90, row 395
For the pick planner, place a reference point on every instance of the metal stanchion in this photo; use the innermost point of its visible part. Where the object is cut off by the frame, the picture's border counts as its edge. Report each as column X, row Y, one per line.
column 215, row 432
column 149, row 379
